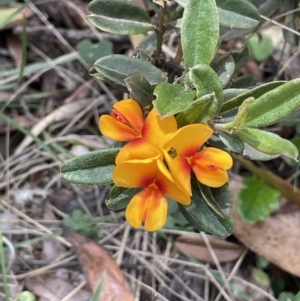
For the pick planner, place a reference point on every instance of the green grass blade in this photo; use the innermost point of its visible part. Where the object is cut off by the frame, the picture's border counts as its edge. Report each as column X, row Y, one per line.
column 3, row 268
column 38, row 66
column 96, row 295
column 24, row 49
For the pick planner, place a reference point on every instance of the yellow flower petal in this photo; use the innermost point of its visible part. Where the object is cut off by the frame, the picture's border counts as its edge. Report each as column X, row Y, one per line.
column 188, row 139
column 132, row 111
column 137, row 208
column 114, row 129
column 156, row 214
column 148, row 206
column 155, row 128
column 181, row 172
column 166, row 184
column 214, row 156
column 135, row 173
column 210, row 166
column 126, row 122
column 137, row 149
column 149, row 173
column 210, row 177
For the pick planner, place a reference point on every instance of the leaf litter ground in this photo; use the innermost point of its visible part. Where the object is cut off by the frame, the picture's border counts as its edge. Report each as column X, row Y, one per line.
column 58, row 102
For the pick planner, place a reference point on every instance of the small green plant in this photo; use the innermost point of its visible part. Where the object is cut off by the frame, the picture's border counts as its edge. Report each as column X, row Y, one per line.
column 185, row 113
column 26, row 296
column 81, row 223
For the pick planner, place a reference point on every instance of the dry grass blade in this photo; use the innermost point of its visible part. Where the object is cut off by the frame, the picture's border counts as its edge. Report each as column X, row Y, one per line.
column 194, row 246
column 61, row 113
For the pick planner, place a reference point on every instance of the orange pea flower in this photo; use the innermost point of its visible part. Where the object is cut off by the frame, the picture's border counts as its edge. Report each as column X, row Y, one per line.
column 150, row 205
column 181, row 153
column 145, row 138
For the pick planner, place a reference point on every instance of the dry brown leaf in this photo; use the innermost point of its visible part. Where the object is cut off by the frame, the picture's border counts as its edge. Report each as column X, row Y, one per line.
column 14, row 46
column 277, row 238
column 194, row 246
column 94, row 261
column 6, row 12
column 159, row 2
column 136, row 40
column 54, row 288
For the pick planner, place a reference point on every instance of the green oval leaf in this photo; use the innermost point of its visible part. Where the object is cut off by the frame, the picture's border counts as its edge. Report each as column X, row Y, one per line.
column 232, row 141
column 218, row 199
column 203, row 218
column 253, row 154
column 237, row 14
column 95, row 168
column 255, row 92
column 197, row 111
column 224, row 66
column 119, row 17
column 199, row 32
column 260, row 47
column 244, row 81
column 256, row 200
column 140, row 90
column 232, row 93
column 274, row 105
column 206, row 81
column 90, row 52
column 119, row 197
column 117, row 67
column 267, row 142
column 172, row 98
column 240, row 58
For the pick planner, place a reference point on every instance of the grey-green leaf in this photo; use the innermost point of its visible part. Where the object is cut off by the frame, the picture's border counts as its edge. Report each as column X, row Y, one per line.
column 218, row 199
column 119, row 197
column 224, row 66
column 255, row 92
column 206, row 81
column 203, row 218
column 95, row 168
column 197, row 111
column 117, row 67
column 234, row 13
column 172, row 98
column 253, row 154
column 119, row 17
column 140, row 90
column 199, row 32
column 237, row 14
column 268, row 143
column 232, row 141
column 274, row 105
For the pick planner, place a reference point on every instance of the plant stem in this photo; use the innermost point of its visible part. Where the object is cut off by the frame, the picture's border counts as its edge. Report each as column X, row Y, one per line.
column 160, row 31
column 222, row 126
